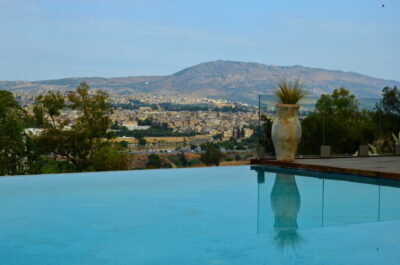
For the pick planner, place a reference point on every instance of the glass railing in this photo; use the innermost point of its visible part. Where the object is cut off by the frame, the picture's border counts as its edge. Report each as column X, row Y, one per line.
column 368, row 130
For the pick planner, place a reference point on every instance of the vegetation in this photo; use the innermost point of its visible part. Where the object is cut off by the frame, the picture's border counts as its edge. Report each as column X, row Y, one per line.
column 135, row 104
column 339, row 123
column 265, row 137
column 154, row 161
column 391, row 100
column 85, row 144
column 18, row 153
column 211, row 155
column 290, row 92
column 396, row 138
column 61, row 145
column 155, row 130
column 110, row 157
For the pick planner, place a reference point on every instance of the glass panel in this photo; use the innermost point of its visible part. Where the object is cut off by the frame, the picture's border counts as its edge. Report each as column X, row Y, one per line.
column 368, row 131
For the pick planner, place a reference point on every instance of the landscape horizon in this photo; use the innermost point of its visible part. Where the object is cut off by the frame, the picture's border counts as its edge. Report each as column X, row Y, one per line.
column 229, row 80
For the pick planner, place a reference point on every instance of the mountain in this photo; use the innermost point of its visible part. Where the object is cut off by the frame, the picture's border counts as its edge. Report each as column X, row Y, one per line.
column 237, row 81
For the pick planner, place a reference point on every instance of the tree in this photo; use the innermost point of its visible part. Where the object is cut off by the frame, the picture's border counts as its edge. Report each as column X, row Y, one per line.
column 218, row 136
column 124, row 144
column 142, row 141
column 50, row 104
column 154, row 161
column 391, row 100
column 183, row 160
column 340, row 102
column 18, row 154
column 82, row 140
column 110, row 157
column 387, row 115
column 337, row 122
column 12, row 147
column 211, row 155
column 265, row 134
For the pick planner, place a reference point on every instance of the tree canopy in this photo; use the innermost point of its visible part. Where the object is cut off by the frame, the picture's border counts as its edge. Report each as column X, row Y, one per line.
column 211, row 155
column 18, row 153
column 83, row 140
column 337, row 122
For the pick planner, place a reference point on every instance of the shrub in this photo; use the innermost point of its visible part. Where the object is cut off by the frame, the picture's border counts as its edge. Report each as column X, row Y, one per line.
column 110, row 157
column 290, row 92
column 154, row 161
column 211, row 155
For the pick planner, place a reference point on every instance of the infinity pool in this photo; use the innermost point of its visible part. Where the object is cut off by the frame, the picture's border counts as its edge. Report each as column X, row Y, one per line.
column 220, row 215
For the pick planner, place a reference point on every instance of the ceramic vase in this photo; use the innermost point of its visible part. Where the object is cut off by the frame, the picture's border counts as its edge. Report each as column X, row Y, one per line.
column 286, row 132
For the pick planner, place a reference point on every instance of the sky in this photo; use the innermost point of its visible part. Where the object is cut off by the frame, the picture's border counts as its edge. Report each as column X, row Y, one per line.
column 50, row 39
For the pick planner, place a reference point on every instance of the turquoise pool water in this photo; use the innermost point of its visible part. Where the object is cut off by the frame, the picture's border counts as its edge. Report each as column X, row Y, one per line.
column 220, row 215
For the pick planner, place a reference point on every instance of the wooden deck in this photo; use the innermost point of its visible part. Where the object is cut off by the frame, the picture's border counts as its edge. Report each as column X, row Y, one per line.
column 387, row 167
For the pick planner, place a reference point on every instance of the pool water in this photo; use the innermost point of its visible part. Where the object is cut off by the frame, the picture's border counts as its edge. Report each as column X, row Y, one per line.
column 219, row 215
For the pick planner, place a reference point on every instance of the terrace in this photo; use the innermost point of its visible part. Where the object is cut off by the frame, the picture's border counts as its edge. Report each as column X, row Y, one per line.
column 336, row 138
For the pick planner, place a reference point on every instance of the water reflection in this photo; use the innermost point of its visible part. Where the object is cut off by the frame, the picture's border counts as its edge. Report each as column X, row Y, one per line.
column 288, row 202
column 285, row 204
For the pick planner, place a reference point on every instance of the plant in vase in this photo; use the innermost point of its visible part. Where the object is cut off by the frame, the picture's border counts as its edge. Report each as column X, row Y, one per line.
column 286, row 128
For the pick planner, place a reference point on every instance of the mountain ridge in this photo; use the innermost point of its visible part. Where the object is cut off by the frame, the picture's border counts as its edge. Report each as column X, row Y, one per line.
column 231, row 80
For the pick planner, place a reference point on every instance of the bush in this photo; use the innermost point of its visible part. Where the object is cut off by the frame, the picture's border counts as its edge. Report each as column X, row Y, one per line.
column 110, row 157
column 211, row 155
column 194, row 162
column 154, row 161
column 51, row 166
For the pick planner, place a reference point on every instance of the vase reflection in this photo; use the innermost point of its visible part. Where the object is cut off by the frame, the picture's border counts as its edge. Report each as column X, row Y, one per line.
column 285, row 205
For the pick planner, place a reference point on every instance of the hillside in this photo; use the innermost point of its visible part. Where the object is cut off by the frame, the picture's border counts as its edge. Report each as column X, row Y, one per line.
column 237, row 81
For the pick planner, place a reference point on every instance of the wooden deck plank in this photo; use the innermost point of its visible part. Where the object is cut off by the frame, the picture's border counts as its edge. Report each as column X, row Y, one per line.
column 381, row 167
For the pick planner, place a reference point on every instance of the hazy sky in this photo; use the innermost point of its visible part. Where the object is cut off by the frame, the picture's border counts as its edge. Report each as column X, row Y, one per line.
column 45, row 39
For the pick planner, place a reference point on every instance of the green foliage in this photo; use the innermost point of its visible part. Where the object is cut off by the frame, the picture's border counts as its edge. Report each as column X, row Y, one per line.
column 145, row 122
column 142, row 141
column 218, row 136
column 183, row 160
column 110, row 157
column 339, row 122
column 391, row 100
column 84, row 144
column 340, row 102
column 194, row 162
column 18, row 154
column 388, row 116
column 290, row 92
column 124, row 144
column 51, row 104
column 135, row 104
column 156, row 130
column 12, row 146
column 265, row 137
column 154, row 161
column 228, row 145
column 211, row 155
column 179, row 160
column 51, row 166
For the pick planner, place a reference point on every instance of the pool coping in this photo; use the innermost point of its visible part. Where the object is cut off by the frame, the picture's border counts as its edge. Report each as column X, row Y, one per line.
column 328, row 169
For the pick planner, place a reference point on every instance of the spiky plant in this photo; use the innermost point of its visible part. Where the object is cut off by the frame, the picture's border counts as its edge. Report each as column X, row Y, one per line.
column 396, row 139
column 290, row 92
column 373, row 150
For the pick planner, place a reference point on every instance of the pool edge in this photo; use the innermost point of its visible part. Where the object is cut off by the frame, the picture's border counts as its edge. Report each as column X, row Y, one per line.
column 327, row 169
